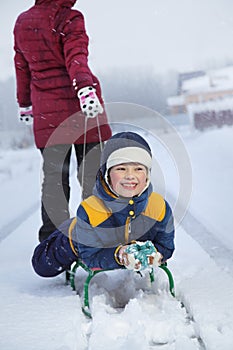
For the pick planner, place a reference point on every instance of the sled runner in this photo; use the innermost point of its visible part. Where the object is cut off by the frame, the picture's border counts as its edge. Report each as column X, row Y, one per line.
column 70, row 278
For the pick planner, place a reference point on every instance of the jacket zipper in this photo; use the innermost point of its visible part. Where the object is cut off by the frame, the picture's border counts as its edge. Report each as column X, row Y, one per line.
column 127, row 229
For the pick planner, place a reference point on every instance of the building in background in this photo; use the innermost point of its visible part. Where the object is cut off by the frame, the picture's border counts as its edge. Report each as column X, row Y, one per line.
column 206, row 98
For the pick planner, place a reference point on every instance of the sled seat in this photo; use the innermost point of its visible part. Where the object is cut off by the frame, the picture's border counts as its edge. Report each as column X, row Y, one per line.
column 70, row 279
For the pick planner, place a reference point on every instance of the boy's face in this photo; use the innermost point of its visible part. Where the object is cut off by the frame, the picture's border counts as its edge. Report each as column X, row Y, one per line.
column 128, row 179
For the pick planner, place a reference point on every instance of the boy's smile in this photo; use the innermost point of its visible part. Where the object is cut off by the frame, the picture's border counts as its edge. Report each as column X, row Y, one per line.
column 128, row 179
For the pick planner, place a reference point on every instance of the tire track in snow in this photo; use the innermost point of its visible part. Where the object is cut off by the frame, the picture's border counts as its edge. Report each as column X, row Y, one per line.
column 213, row 246
column 7, row 229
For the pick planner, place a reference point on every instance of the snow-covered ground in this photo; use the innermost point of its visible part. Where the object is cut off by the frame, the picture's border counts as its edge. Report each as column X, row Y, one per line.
column 38, row 313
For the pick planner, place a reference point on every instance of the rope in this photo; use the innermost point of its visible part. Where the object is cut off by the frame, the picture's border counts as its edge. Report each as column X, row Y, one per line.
column 84, row 152
column 84, row 145
column 99, row 134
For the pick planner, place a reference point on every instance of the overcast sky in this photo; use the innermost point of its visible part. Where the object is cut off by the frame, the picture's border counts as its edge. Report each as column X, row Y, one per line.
column 162, row 34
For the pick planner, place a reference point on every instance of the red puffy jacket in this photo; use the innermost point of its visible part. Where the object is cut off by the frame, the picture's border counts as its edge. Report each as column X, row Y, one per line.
column 51, row 50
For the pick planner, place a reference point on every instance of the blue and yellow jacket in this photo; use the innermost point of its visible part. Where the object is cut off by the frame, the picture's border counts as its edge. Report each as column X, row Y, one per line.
column 103, row 223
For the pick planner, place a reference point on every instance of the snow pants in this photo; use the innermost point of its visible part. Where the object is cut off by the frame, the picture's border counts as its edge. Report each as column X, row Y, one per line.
column 56, row 182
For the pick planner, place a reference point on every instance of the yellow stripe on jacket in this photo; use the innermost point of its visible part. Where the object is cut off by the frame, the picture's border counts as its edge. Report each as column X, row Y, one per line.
column 96, row 210
column 71, row 227
column 156, row 207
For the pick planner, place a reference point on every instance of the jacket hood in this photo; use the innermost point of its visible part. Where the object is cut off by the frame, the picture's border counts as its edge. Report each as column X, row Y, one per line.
column 124, row 147
column 61, row 3
column 102, row 189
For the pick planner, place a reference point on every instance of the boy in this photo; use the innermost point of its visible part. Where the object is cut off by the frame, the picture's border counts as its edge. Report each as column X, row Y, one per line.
column 122, row 210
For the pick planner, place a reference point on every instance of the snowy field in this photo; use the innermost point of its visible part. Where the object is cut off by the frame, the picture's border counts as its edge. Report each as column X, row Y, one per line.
column 128, row 312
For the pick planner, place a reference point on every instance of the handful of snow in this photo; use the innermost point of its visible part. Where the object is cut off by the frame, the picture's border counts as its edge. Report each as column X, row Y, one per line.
column 142, row 255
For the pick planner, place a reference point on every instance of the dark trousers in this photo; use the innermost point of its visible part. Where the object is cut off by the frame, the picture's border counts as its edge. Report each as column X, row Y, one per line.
column 56, row 184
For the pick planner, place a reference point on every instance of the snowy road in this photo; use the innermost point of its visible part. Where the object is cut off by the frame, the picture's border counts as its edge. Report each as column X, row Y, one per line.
column 20, row 187
column 10, row 227
column 38, row 313
column 215, row 248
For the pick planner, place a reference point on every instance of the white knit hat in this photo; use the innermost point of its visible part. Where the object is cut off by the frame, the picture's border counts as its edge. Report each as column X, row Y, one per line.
column 129, row 155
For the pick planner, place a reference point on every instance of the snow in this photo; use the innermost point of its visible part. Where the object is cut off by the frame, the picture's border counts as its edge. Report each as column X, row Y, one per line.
column 212, row 181
column 17, row 171
column 218, row 105
column 197, row 84
column 128, row 312
column 176, row 100
column 214, row 80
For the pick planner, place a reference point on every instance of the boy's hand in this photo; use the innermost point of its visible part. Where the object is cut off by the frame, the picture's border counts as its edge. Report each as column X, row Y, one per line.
column 140, row 256
column 129, row 260
column 89, row 102
column 155, row 259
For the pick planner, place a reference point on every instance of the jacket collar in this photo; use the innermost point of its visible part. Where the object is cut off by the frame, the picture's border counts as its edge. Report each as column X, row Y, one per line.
column 60, row 3
column 118, row 204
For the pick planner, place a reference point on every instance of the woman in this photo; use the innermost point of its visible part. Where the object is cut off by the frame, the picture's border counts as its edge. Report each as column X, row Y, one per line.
column 58, row 92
